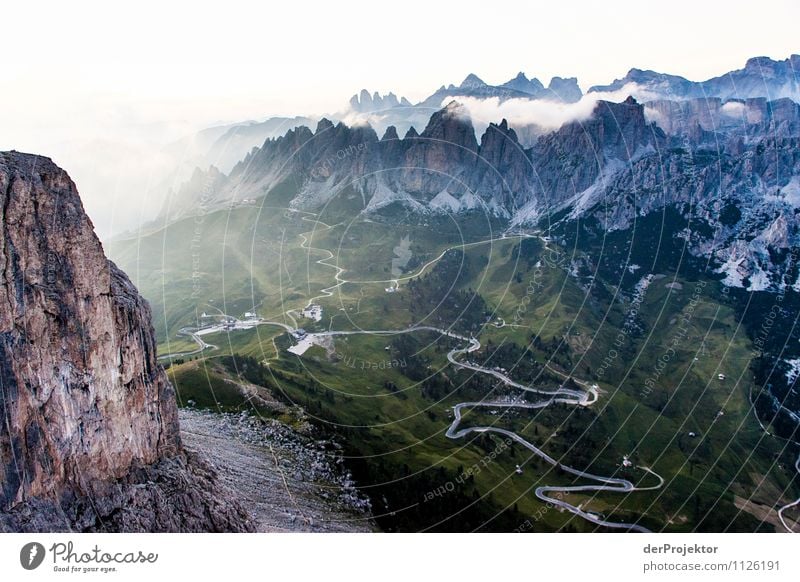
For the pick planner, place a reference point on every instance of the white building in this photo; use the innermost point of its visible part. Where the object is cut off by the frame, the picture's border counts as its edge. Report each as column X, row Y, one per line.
column 313, row 312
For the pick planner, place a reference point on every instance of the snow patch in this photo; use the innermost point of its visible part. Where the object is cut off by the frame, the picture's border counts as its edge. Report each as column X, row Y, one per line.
column 445, row 201
column 759, row 280
column 733, row 271
column 527, row 214
column 791, row 192
column 794, row 370
column 384, row 196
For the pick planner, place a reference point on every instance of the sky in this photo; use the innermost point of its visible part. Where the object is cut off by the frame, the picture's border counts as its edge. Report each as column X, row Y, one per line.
column 96, row 84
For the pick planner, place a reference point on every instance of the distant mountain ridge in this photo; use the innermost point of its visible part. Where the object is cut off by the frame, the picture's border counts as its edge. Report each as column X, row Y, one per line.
column 760, row 77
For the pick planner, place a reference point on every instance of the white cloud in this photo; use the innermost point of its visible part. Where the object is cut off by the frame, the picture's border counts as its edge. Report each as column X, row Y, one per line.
column 546, row 114
column 734, row 109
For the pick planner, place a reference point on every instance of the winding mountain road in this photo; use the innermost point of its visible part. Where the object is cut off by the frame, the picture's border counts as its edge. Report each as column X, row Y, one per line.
column 562, row 395
column 559, row 395
column 191, row 334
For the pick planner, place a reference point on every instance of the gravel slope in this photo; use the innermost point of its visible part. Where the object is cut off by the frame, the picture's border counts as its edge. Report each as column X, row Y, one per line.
column 284, row 480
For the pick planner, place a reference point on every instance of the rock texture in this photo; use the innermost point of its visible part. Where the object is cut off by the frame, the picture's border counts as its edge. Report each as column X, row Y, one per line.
column 286, row 481
column 702, row 118
column 89, row 438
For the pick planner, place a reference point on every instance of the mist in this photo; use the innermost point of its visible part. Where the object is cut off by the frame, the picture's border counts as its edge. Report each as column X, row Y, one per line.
column 544, row 114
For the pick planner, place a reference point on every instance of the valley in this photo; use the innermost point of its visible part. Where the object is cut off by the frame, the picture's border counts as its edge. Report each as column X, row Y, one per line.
column 533, row 419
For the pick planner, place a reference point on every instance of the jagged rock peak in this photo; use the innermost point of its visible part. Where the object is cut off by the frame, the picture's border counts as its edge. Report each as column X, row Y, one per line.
column 471, row 81
column 565, row 89
column 521, row 83
column 453, row 124
column 759, row 64
column 366, row 103
column 390, row 133
column 451, row 133
column 324, row 124
column 504, row 129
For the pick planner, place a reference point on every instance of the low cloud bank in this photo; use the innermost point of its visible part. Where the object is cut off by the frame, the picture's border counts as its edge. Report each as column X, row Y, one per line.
column 545, row 114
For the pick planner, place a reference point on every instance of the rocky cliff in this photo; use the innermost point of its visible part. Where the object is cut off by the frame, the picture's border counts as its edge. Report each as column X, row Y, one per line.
column 445, row 168
column 89, row 438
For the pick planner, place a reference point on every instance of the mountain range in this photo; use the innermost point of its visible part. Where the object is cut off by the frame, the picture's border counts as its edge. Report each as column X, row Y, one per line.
column 670, row 100
column 617, row 164
column 760, row 77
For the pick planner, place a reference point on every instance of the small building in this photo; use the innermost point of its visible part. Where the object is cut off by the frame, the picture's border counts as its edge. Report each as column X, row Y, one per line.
column 313, row 312
column 250, row 315
column 299, row 333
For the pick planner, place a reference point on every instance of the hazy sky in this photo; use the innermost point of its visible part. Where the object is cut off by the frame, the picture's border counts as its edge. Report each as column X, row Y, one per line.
column 143, row 73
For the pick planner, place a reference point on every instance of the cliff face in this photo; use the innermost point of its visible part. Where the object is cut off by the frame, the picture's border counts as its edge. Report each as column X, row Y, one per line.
column 89, row 435
column 748, row 118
